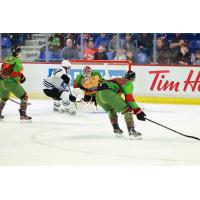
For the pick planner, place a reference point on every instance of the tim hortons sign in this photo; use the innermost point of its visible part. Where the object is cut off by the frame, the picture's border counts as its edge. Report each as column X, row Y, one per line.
column 162, row 81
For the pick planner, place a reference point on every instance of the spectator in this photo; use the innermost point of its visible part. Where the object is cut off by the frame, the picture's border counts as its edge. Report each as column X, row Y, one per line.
column 15, row 39
column 102, row 39
column 27, row 36
column 52, row 54
column 145, row 44
column 120, row 55
column 140, row 58
column 129, row 44
column 86, row 39
column 90, row 51
column 175, row 45
column 5, row 45
column 129, row 56
column 69, row 52
column 162, row 52
column 163, row 37
column 113, row 44
column 183, row 57
column 101, row 54
column 56, row 41
column 177, row 42
column 72, row 36
column 197, row 58
column 54, row 48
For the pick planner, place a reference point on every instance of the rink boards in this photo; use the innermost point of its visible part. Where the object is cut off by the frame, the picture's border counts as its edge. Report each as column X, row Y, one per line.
column 155, row 84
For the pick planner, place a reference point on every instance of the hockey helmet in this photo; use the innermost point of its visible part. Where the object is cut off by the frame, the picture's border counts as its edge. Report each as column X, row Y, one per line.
column 15, row 50
column 66, row 64
column 130, row 75
column 87, row 71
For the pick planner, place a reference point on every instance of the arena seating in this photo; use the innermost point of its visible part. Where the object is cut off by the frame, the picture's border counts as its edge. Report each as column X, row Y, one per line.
column 6, row 42
column 32, row 51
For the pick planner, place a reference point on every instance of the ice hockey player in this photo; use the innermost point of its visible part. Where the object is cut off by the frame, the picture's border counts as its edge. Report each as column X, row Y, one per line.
column 56, row 87
column 87, row 83
column 11, row 78
column 108, row 96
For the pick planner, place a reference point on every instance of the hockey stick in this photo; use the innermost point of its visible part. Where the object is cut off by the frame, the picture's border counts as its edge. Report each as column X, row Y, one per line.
column 71, row 94
column 28, row 103
column 196, row 138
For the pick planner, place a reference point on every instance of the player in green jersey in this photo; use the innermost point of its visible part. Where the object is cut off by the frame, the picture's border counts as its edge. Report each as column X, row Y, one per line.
column 11, row 78
column 87, row 82
column 108, row 96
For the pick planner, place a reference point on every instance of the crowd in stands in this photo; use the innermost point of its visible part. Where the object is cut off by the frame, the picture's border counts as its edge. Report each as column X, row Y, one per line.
column 12, row 39
column 171, row 48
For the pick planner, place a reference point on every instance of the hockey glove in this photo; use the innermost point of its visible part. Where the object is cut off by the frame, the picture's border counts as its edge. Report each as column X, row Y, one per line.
column 72, row 98
column 22, row 78
column 92, row 89
column 88, row 89
column 65, row 78
column 141, row 116
column 81, row 87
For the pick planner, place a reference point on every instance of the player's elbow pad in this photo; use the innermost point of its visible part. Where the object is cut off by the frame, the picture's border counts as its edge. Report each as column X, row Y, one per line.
column 65, row 78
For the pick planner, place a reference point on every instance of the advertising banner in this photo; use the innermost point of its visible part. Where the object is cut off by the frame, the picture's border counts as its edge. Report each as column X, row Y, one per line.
column 154, row 81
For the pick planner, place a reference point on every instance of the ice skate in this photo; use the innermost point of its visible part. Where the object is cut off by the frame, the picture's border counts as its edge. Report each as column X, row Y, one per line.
column 61, row 109
column 70, row 111
column 24, row 117
column 117, row 131
column 55, row 109
column 1, row 117
column 134, row 135
column 56, row 106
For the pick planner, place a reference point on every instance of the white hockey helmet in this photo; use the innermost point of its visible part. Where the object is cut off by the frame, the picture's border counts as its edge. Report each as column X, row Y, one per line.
column 66, row 64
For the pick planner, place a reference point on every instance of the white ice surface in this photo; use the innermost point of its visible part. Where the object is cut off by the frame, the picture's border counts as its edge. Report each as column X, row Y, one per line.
column 87, row 138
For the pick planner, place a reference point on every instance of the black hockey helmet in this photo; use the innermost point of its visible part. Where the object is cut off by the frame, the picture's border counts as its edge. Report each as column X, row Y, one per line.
column 130, row 75
column 15, row 50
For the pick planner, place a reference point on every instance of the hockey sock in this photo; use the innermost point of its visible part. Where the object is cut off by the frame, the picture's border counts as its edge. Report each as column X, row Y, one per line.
column 128, row 117
column 113, row 118
column 23, row 107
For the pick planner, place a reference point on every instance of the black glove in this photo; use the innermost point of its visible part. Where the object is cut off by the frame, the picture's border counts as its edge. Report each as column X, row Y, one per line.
column 65, row 78
column 141, row 116
column 72, row 98
column 92, row 89
column 81, row 87
column 88, row 89
column 22, row 78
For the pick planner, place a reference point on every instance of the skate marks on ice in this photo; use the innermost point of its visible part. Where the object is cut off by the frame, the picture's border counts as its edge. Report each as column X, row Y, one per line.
column 87, row 139
column 111, row 150
column 160, row 148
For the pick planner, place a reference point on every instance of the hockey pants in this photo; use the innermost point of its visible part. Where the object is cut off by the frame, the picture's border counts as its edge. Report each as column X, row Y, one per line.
column 113, row 103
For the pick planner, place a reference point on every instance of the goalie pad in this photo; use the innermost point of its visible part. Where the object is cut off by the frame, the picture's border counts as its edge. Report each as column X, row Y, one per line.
column 79, row 94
